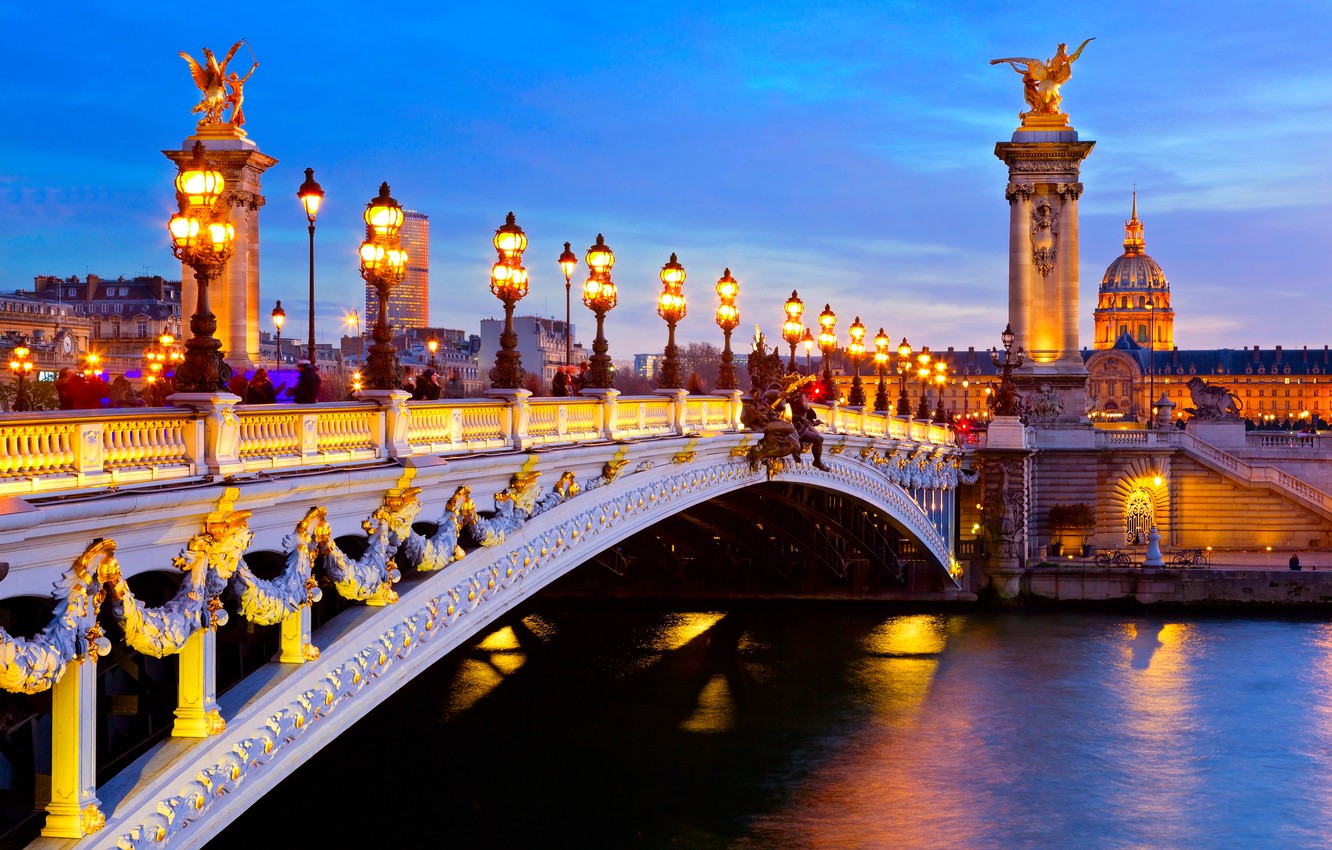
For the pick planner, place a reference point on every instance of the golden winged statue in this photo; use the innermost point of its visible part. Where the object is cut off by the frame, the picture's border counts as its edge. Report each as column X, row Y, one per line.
column 211, row 78
column 1041, row 80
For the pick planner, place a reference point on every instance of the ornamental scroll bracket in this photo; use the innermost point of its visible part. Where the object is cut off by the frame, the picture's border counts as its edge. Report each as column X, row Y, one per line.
column 1019, row 191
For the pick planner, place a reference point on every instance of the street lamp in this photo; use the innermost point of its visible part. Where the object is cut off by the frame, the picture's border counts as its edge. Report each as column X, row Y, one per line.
column 671, row 307
column 924, row 374
column 881, row 355
column 568, row 265
column 1004, row 402
column 508, row 281
column 354, row 320
column 311, row 195
column 383, row 263
column 792, row 328
column 808, row 341
column 600, row 297
column 201, row 238
column 279, row 316
column 20, row 366
column 827, row 345
column 728, row 317
column 940, row 379
column 903, row 369
column 857, row 350
column 433, row 345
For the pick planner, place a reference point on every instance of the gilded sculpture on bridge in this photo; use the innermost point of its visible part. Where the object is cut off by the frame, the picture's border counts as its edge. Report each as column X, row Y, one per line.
column 220, row 90
column 1041, row 80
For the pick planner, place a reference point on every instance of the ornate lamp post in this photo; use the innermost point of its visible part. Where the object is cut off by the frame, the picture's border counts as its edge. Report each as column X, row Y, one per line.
column 600, row 296
column 311, row 195
column 923, row 373
column 792, row 328
column 508, row 281
column 1005, row 401
column 827, row 345
column 808, row 341
column 383, row 263
column 354, row 320
column 903, row 369
column 568, row 265
column 202, row 239
column 433, row 345
column 857, row 351
column 728, row 317
column 671, row 307
column 881, row 355
column 940, row 380
column 20, row 366
column 92, row 364
column 279, row 316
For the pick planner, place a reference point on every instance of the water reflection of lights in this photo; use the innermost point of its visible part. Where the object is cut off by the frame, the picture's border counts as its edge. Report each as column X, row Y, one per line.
column 919, row 634
column 716, row 709
column 898, row 666
column 1160, row 715
column 679, row 629
column 504, row 656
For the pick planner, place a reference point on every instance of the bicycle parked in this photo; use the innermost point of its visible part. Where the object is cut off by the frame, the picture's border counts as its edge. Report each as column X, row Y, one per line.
column 1190, row 558
column 1113, row 558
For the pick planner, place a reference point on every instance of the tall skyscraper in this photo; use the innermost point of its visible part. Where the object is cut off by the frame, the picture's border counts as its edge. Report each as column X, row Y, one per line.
column 409, row 301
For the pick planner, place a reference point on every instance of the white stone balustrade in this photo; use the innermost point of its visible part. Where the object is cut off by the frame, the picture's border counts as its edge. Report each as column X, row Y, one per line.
column 60, row 451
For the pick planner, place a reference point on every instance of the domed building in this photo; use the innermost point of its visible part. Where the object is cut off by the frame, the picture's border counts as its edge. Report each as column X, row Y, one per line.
column 1134, row 298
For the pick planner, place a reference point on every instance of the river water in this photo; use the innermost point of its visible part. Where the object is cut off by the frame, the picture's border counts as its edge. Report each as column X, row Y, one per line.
column 599, row 724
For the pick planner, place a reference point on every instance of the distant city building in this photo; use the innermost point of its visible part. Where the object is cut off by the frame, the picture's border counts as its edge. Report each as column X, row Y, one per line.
column 56, row 336
column 540, row 343
column 66, row 317
column 1134, row 298
column 409, row 300
column 645, row 365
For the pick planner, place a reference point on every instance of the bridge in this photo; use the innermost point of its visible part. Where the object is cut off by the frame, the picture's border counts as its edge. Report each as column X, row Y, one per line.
column 197, row 598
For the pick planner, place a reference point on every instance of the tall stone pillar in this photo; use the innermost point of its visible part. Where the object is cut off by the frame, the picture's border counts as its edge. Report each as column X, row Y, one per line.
column 1044, row 161
column 234, row 298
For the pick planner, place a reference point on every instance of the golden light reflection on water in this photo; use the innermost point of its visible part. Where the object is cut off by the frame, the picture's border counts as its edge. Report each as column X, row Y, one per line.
column 500, row 639
column 504, row 656
column 879, row 792
column 677, row 630
column 1159, row 716
column 716, row 709
column 918, row 634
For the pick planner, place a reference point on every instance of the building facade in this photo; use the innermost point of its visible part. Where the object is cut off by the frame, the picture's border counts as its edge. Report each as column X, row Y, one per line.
column 116, row 319
column 540, row 344
column 409, row 300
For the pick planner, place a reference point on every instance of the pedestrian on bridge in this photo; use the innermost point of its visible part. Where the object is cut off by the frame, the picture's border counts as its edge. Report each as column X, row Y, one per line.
column 307, row 383
column 1295, row 560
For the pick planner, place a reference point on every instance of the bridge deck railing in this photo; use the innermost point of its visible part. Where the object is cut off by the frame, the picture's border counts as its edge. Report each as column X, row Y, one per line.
column 59, row 451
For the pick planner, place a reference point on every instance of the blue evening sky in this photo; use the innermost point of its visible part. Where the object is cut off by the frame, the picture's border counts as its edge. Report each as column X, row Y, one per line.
column 841, row 149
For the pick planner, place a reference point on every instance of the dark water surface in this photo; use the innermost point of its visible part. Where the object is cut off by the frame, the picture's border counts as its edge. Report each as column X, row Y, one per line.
column 814, row 725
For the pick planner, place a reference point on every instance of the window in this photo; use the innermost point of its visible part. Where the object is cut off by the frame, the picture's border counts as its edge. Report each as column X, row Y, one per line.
column 110, row 291
column 1142, row 333
column 124, row 290
column 141, row 330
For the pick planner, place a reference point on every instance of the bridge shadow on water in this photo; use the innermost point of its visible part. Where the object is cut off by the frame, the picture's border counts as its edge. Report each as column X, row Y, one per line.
column 539, row 732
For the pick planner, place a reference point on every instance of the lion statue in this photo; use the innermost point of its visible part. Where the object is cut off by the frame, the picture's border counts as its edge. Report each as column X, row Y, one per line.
column 1211, row 402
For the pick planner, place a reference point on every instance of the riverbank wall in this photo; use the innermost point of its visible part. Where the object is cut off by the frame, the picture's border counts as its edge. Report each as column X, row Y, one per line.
column 1226, row 587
